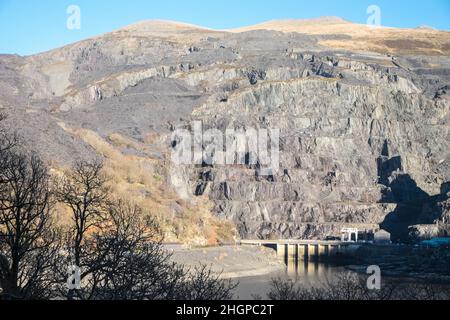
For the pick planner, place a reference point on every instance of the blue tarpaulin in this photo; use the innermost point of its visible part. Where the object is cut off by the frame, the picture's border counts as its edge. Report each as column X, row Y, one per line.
column 437, row 242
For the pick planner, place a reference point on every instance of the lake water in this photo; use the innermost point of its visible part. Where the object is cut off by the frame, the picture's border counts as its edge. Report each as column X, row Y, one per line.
column 306, row 272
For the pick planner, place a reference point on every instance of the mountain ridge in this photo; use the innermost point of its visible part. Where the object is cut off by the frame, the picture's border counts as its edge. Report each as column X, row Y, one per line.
column 313, row 26
column 363, row 114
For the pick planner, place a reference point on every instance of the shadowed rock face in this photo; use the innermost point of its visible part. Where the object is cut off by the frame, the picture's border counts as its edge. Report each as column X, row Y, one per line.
column 362, row 134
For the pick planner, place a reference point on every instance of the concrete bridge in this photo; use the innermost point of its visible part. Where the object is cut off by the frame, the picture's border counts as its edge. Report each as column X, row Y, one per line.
column 305, row 249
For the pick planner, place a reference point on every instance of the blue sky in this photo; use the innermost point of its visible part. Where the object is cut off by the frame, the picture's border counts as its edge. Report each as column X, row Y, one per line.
column 31, row 26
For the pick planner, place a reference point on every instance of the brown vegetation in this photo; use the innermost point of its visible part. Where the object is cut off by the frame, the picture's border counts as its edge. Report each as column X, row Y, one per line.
column 143, row 180
column 363, row 37
column 113, row 248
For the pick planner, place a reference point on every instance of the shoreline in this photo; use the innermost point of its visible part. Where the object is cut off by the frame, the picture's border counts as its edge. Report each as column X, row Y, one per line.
column 411, row 276
column 252, row 273
column 231, row 262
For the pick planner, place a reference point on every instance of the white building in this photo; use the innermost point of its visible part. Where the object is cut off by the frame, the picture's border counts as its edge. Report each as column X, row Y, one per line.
column 349, row 235
column 382, row 237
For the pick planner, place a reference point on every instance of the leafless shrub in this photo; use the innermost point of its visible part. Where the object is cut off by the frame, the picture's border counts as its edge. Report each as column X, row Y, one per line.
column 202, row 284
column 350, row 286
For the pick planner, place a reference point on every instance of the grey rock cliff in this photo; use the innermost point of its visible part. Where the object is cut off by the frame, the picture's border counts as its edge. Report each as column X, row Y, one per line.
column 364, row 135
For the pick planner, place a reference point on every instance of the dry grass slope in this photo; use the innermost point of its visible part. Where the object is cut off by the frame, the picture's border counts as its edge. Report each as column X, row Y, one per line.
column 142, row 181
column 363, row 37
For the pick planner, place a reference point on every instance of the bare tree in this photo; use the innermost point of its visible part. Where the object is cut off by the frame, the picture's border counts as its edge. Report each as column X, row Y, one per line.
column 129, row 261
column 8, row 140
column 83, row 190
column 132, row 264
column 27, row 238
column 119, row 249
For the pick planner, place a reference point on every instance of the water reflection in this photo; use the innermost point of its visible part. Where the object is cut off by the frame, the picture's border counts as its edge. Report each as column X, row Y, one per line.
column 312, row 273
column 309, row 273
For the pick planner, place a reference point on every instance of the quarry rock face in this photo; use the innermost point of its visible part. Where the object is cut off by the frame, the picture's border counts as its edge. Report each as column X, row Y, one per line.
column 345, row 158
column 364, row 135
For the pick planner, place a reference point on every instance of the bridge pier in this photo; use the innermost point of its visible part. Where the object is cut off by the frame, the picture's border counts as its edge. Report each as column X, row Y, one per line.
column 327, row 250
column 301, row 252
column 311, row 251
column 333, row 250
column 302, row 249
column 281, row 251
column 292, row 251
column 321, row 251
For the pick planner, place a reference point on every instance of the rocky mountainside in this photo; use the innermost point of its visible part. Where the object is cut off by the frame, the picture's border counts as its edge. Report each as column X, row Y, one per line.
column 363, row 113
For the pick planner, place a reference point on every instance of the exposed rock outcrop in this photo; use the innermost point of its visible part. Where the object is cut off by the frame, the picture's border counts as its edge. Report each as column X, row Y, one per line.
column 364, row 136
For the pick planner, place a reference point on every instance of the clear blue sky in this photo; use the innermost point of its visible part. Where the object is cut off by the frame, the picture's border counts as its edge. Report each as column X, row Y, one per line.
column 32, row 26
